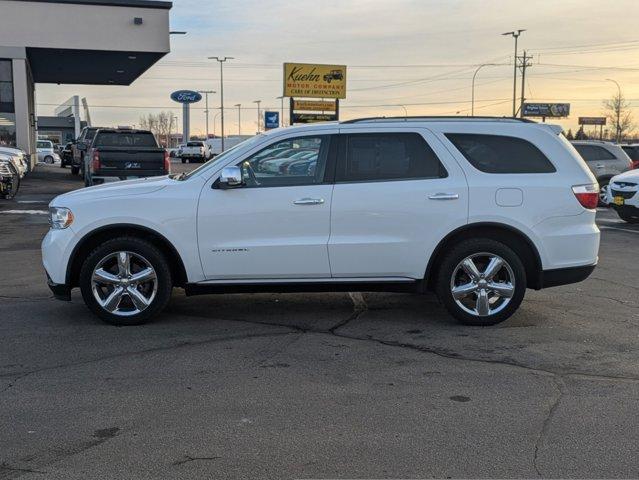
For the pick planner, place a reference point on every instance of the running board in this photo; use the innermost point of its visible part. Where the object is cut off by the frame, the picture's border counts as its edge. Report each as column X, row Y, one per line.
column 351, row 285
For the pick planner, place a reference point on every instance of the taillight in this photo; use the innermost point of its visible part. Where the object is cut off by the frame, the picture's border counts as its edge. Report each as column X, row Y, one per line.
column 635, row 164
column 167, row 162
column 95, row 161
column 587, row 195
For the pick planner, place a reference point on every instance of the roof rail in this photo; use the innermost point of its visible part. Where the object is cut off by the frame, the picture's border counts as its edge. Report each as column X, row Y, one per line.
column 436, row 118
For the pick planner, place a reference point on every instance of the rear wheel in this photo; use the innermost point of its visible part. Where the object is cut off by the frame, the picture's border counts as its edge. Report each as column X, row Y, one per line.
column 48, row 159
column 74, row 170
column 126, row 281
column 481, row 282
column 10, row 184
column 184, row 160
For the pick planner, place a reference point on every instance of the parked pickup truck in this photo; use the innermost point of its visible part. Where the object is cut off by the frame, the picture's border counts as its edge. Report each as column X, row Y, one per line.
column 121, row 154
column 79, row 149
column 195, row 151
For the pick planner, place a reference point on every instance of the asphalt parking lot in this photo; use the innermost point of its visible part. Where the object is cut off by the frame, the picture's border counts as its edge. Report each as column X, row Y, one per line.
column 315, row 385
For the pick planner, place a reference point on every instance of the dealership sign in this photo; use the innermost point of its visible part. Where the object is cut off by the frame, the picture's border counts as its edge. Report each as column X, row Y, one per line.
column 313, row 117
column 592, row 120
column 271, row 120
column 546, row 109
column 314, row 80
column 314, row 106
column 186, row 96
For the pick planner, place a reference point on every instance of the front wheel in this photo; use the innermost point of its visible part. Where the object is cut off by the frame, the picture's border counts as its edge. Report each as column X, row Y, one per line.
column 48, row 159
column 126, row 281
column 481, row 282
column 74, row 170
column 603, row 191
column 184, row 160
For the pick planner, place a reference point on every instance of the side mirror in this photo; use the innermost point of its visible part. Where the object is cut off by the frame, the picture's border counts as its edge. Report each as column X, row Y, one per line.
column 231, row 177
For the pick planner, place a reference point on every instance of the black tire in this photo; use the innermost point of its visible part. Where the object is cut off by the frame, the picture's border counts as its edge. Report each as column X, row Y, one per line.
column 626, row 217
column 74, row 170
column 455, row 256
column 138, row 246
column 184, row 160
column 15, row 184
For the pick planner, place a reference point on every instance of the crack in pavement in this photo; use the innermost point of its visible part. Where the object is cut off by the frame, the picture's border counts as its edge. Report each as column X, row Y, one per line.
column 7, row 467
column 543, row 431
column 188, row 458
column 138, row 352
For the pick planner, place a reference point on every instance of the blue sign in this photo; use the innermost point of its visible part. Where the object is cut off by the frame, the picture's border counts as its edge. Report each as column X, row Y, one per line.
column 271, row 119
column 186, row 96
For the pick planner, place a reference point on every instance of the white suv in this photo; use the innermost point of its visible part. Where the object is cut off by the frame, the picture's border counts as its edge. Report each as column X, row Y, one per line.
column 476, row 209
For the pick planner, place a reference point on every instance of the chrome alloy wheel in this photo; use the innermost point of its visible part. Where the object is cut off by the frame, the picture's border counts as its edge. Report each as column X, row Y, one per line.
column 124, row 283
column 482, row 284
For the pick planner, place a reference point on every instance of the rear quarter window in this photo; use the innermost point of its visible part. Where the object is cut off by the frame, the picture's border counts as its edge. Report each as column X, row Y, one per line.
column 591, row 153
column 501, row 154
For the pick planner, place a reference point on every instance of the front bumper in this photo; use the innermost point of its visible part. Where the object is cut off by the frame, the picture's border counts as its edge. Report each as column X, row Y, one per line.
column 60, row 291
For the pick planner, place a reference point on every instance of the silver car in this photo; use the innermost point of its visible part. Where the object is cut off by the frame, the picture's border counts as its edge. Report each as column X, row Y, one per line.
column 605, row 160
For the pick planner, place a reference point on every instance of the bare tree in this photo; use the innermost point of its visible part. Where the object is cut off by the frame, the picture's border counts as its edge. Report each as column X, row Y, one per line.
column 159, row 124
column 617, row 110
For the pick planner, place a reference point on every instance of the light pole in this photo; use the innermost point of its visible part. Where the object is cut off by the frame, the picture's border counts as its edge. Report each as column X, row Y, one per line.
column 221, row 61
column 472, row 95
column 206, row 111
column 258, row 114
column 281, row 97
column 215, row 118
column 239, row 119
column 515, row 34
column 617, row 107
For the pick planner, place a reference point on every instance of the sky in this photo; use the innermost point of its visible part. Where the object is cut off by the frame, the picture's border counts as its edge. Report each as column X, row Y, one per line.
column 413, row 56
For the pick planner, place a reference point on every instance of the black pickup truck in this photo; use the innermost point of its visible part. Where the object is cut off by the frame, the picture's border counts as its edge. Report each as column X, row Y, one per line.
column 120, row 154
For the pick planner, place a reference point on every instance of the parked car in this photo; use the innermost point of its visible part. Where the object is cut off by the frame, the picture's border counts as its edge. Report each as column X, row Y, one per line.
column 623, row 195
column 195, row 151
column 604, row 159
column 46, row 152
column 121, row 154
column 80, row 147
column 66, row 155
column 18, row 158
column 9, row 176
column 633, row 152
column 476, row 209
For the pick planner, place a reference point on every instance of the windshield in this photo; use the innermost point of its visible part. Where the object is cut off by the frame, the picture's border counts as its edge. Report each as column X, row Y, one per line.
column 222, row 156
column 44, row 144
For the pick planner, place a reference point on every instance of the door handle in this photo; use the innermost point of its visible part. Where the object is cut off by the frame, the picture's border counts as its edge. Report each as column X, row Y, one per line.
column 309, row 201
column 444, row 196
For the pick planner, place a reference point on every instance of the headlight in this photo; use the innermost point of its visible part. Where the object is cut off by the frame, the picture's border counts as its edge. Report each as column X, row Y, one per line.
column 60, row 217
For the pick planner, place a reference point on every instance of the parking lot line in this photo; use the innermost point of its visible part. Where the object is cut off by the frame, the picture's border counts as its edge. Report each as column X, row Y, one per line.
column 620, row 229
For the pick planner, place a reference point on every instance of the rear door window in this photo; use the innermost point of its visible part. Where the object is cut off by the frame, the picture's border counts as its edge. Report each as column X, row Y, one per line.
column 591, row 153
column 371, row 157
column 501, row 154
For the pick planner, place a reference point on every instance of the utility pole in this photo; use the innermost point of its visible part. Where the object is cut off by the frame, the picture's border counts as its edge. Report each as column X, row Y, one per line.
column 258, row 114
column 206, row 111
column 221, row 61
column 515, row 34
column 239, row 119
column 525, row 62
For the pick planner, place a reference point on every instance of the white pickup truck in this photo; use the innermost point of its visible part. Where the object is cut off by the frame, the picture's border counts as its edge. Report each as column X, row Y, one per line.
column 195, row 151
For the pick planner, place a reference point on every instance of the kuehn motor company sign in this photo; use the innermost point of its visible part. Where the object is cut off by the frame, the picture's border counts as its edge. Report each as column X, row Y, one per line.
column 314, row 81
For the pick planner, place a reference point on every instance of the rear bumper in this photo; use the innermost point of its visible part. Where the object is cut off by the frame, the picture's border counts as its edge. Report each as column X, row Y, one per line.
column 103, row 177
column 564, row 276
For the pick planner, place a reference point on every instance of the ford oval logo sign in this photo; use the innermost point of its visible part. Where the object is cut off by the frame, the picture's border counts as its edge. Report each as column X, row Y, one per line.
column 186, row 96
